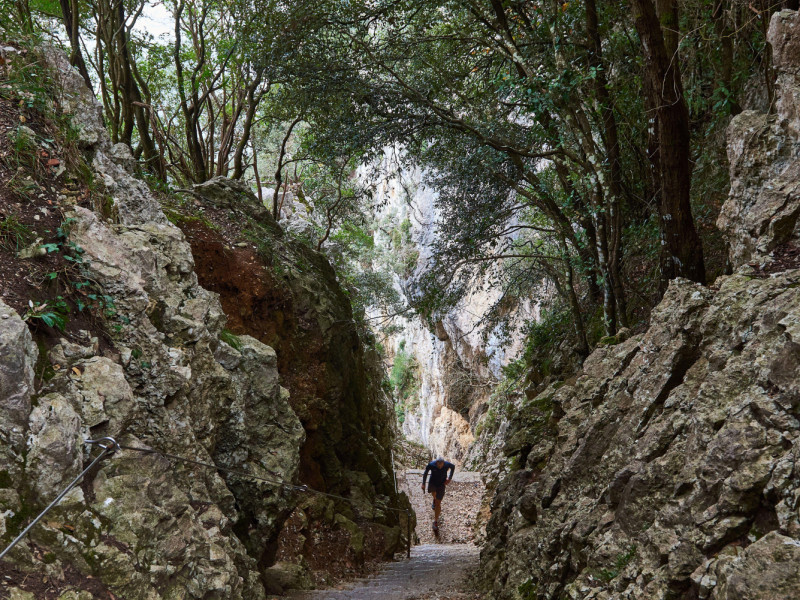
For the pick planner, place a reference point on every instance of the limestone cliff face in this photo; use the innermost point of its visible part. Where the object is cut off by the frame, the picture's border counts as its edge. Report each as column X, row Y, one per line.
column 669, row 467
column 142, row 526
column 458, row 360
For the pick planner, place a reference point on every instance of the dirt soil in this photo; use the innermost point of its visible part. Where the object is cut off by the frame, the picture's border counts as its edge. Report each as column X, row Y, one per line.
column 45, row 587
column 39, row 181
column 784, row 257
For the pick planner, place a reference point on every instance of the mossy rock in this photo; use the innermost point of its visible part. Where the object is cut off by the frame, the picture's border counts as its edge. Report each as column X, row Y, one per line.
column 76, row 595
column 288, row 576
column 356, row 535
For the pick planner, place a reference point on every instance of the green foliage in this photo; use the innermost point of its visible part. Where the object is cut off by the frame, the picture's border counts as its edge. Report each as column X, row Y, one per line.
column 400, row 413
column 13, row 234
column 543, row 339
column 52, row 313
column 403, row 378
column 403, row 382
column 502, row 399
column 528, row 590
column 23, row 153
column 622, row 560
column 27, row 80
column 231, row 339
column 516, row 144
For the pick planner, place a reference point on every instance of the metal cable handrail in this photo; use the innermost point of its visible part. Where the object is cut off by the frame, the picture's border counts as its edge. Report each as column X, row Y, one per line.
column 110, row 446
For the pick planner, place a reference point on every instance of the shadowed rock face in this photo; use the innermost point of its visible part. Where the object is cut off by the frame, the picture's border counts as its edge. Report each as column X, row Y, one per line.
column 287, row 296
column 670, row 467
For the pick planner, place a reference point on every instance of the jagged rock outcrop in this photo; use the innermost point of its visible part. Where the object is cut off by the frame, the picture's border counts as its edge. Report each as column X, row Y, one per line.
column 669, row 467
column 143, row 526
column 288, row 296
column 762, row 210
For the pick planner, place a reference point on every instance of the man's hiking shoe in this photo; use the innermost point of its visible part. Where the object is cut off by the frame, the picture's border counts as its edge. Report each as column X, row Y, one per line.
column 436, row 525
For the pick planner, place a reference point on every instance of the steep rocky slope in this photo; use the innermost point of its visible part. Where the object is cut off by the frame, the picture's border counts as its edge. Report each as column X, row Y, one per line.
column 162, row 374
column 669, row 467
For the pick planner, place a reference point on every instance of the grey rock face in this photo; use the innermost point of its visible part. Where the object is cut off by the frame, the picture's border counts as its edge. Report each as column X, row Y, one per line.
column 143, row 526
column 669, row 468
column 78, row 101
column 235, row 195
column 670, row 450
column 766, row 570
column 763, row 207
column 18, row 355
column 55, row 446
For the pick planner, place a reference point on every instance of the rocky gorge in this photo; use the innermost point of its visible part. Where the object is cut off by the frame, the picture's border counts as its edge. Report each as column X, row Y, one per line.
column 454, row 361
column 258, row 415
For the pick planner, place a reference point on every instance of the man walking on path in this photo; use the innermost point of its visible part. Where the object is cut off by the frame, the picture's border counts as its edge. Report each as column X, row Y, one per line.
column 438, row 469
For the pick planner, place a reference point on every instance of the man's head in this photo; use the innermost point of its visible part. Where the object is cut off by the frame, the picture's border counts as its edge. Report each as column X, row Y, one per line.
column 440, row 462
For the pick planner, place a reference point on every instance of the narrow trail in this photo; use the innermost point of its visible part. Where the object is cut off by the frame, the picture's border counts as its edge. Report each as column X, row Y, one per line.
column 460, row 507
column 439, row 568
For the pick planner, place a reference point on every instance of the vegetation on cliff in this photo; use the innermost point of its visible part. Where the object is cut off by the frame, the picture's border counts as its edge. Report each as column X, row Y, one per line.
column 556, row 147
column 110, row 325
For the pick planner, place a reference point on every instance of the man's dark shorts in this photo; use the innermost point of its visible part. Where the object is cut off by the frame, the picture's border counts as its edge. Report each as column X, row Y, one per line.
column 439, row 489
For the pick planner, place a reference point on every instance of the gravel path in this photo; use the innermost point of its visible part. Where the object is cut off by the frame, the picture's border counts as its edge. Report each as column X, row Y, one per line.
column 440, row 567
column 459, row 507
column 433, row 571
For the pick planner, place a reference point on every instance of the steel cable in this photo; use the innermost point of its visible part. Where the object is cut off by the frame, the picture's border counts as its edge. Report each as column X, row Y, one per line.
column 110, row 446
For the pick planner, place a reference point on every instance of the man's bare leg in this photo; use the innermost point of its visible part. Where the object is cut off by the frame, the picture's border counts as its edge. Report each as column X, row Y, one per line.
column 437, row 507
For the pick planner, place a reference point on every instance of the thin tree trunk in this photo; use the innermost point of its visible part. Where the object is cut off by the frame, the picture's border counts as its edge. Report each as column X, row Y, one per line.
column 253, row 101
column 613, row 215
column 278, row 172
column 257, row 176
column 198, row 174
column 70, row 15
column 682, row 251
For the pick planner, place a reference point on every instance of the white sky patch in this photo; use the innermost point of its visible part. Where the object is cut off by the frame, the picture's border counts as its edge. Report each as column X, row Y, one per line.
column 157, row 21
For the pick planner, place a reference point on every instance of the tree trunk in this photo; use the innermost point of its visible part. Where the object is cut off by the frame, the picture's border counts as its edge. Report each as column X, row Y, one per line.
column 682, row 252
column 190, row 113
column 613, row 214
column 132, row 97
column 70, row 16
column 279, row 171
